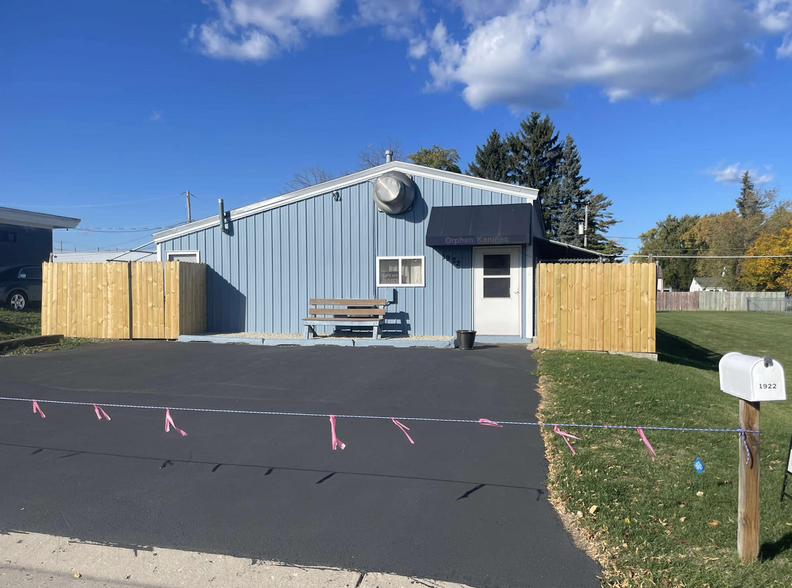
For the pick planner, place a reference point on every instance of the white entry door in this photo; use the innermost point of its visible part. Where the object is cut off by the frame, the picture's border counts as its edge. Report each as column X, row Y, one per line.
column 497, row 278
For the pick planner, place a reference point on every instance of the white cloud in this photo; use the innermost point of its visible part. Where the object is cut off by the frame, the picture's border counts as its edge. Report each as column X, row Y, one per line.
column 784, row 51
column 526, row 53
column 257, row 30
column 536, row 51
column 418, row 48
column 396, row 17
column 732, row 174
column 156, row 115
column 475, row 11
column 774, row 16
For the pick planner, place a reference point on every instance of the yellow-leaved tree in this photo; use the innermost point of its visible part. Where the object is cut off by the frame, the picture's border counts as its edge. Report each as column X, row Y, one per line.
column 771, row 274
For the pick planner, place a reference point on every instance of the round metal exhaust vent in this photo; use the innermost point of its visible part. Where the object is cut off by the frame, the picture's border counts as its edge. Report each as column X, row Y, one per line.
column 394, row 192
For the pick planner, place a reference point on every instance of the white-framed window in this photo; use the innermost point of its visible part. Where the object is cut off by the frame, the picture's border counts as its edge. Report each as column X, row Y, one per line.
column 190, row 256
column 404, row 271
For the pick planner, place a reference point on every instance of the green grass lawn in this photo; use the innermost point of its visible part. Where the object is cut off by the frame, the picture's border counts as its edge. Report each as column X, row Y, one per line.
column 660, row 522
column 16, row 324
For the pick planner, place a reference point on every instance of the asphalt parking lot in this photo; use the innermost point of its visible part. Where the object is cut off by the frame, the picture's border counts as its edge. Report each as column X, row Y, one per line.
column 466, row 503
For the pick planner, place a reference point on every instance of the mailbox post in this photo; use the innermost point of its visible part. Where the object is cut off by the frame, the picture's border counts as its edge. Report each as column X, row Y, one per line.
column 752, row 380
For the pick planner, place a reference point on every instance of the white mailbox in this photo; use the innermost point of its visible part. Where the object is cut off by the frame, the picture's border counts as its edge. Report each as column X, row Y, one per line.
column 755, row 379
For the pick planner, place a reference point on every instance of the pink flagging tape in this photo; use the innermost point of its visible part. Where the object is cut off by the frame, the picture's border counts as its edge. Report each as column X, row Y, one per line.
column 100, row 412
column 488, row 423
column 169, row 423
column 335, row 440
column 404, row 429
column 646, row 442
column 37, row 408
column 564, row 436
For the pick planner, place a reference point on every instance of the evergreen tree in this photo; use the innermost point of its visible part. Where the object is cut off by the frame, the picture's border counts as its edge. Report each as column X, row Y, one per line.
column 437, row 157
column 747, row 199
column 753, row 203
column 600, row 220
column 567, row 197
column 492, row 160
column 534, row 154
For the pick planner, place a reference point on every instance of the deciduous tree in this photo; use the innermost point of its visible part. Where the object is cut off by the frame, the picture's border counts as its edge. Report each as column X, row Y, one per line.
column 779, row 219
column 374, row 155
column 668, row 237
column 310, row 176
column 726, row 234
column 437, row 157
column 771, row 273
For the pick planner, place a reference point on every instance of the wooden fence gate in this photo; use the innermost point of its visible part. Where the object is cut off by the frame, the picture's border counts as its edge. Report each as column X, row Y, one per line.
column 123, row 300
column 597, row 306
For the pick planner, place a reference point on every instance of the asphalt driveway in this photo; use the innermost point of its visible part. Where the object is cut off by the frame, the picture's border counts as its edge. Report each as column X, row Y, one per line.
column 466, row 503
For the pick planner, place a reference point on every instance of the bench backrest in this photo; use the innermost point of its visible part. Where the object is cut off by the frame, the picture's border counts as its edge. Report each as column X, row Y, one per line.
column 348, row 301
column 372, row 307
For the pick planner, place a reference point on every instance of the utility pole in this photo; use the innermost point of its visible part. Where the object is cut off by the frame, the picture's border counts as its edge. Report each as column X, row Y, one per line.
column 585, row 229
column 189, row 211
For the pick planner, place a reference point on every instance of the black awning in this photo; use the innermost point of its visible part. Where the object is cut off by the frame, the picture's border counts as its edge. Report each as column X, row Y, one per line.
column 489, row 224
column 547, row 250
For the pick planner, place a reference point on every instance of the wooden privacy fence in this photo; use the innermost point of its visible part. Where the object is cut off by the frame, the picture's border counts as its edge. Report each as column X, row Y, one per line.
column 597, row 306
column 122, row 300
column 724, row 301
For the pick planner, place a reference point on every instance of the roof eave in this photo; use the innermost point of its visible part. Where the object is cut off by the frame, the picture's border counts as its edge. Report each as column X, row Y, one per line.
column 36, row 220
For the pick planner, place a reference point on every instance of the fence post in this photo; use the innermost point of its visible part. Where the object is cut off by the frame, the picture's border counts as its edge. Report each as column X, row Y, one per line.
column 748, row 499
column 129, row 296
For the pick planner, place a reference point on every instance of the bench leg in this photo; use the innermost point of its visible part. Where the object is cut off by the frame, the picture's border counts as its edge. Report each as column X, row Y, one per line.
column 308, row 330
column 375, row 332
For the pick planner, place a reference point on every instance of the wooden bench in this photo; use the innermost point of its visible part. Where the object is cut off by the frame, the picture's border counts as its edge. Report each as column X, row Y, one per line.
column 345, row 312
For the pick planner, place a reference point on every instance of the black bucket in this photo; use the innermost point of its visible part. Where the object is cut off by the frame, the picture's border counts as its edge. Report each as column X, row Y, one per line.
column 465, row 339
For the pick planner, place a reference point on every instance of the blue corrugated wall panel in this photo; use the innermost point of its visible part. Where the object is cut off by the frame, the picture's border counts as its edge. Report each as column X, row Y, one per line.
column 262, row 273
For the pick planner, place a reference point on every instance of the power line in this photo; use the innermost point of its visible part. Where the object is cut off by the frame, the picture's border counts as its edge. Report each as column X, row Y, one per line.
column 136, row 239
column 167, row 225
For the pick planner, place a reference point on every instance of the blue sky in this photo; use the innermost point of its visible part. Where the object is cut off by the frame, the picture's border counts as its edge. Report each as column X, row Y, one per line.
column 110, row 110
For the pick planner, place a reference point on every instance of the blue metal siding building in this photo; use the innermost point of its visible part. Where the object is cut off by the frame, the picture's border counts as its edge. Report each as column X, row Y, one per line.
column 323, row 242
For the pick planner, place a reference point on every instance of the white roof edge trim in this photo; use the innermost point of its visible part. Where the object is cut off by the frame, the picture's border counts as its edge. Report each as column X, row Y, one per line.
column 40, row 220
column 529, row 194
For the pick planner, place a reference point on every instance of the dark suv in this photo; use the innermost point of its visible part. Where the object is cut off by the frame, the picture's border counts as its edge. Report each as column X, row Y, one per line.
column 21, row 285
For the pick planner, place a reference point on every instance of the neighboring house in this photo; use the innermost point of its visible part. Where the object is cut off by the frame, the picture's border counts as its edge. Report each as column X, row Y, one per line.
column 446, row 250
column 26, row 237
column 100, row 256
column 706, row 285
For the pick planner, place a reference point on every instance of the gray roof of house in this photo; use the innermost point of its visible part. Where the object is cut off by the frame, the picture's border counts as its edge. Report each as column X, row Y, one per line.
column 708, row 282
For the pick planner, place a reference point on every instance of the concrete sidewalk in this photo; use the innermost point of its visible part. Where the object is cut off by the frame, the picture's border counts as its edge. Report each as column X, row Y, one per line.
column 33, row 560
